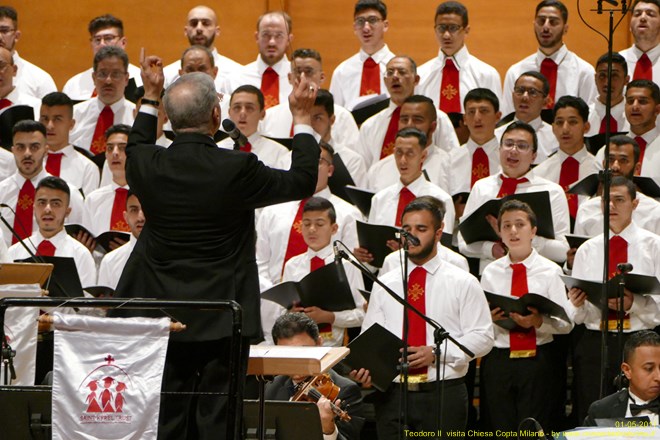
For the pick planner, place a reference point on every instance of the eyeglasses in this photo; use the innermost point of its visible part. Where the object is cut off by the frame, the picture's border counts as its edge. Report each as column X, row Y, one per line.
column 389, row 73
column 361, row 21
column 510, row 144
column 6, row 30
column 531, row 92
column 267, row 36
column 451, row 28
column 115, row 76
column 106, row 39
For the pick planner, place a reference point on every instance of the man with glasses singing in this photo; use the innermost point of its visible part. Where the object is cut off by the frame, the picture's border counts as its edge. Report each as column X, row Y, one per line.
column 362, row 74
column 105, row 30
column 448, row 77
column 518, row 149
column 9, row 93
column 567, row 73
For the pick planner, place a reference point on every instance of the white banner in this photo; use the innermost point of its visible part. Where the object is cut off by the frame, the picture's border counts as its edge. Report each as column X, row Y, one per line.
column 107, row 377
column 21, row 332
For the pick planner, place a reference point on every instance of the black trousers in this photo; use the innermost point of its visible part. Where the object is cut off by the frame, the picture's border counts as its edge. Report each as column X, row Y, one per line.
column 197, row 367
column 422, row 410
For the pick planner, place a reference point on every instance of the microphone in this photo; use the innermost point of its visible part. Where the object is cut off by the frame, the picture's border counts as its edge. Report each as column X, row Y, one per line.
column 239, row 138
column 408, row 236
column 612, row 2
column 624, row 267
column 341, row 273
column 4, row 205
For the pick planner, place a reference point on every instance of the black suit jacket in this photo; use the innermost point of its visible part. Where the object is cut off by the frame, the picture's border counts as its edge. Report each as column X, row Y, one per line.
column 609, row 407
column 198, row 241
column 280, row 389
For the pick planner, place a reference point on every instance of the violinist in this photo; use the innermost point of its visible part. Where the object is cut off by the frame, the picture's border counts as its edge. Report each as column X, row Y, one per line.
column 297, row 329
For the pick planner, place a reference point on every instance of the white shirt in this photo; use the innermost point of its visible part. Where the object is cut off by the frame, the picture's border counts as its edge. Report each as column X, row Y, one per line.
column 98, row 209
column 633, row 53
column 87, row 113
column 347, row 77
column 274, row 226
column 575, row 76
column 542, row 279
column 597, row 113
column 472, row 73
column 651, row 136
column 4, row 256
column 547, row 142
column 32, row 80
column 7, row 164
column 80, row 87
column 589, row 219
column 252, row 73
column 11, row 186
column 78, row 170
column 299, row 266
column 444, row 135
column 437, row 165
column 226, row 68
column 112, row 264
column 384, row 203
column 18, row 97
column 487, row 189
column 454, row 299
column 271, row 153
column 393, row 260
column 643, row 254
column 353, row 161
column 653, row 417
column 65, row 246
column 461, row 163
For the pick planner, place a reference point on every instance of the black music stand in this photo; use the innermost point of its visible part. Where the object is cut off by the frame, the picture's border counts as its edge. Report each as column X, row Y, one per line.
column 284, row 420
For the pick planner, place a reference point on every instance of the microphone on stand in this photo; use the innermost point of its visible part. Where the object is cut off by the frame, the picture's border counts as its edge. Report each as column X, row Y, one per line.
column 409, row 237
column 234, row 133
column 624, row 267
column 340, row 267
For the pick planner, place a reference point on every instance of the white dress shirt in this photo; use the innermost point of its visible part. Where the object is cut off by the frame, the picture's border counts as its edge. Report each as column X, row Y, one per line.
column 4, row 256
column 542, row 279
column 384, row 203
column 633, row 53
column 653, row 417
column 461, row 163
column 18, row 97
column 271, row 153
column 444, row 135
column 32, row 80
column 252, row 73
column 274, row 226
column 78, row 170
column 98, row 209
column 347, row 77
column 454, row 299
column 87, row 114
column 488, row 188
column 65, row 246
column 11, row 186
column 546, row 138
column 589, row 219
column 597, row 113
column 112, row 264
column 226, row 68
column 393, row 260
column 643, row 254
column 7, row 164
column 80, row 87
column 472, row 73
column 651, row 160
column 437, row 166
column 575, row 76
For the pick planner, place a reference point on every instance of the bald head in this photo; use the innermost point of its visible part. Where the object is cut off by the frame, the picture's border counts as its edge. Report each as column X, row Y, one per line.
column 198, row 59
column 192, row 105
column 202, row 26
column 7, row 73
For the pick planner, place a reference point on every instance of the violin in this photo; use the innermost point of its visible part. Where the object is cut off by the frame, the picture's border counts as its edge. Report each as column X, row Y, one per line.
column 320, row 386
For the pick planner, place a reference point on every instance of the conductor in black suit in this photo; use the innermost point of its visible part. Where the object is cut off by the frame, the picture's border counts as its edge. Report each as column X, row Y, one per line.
column 641, row 365
column 297, row 329
column 198, row 242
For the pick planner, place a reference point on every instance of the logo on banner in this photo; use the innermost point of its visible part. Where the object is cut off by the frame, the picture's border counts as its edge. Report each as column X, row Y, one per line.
column 105, row 393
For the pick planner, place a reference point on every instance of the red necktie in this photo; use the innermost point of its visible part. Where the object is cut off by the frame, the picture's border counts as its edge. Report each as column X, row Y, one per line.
column 247, row 147
column 642, row 148
column 618, row 254
column 316, row 263
column 390, row 134
column 480, row 166
column 117, row 222
column 405, row 197
column 370, row 83
column 509, row 185
column 46, row 249
column 105, row 121
column 549, row 70
column 416, row 325
column 270, row 87
column 522, row 341
column 54, row 163
column 643, row 68
column 614, row 126
column 24, row 207
column 4, row 103
column 325, row 329
column 570, row 172
column 296, row 244
column 450, row 96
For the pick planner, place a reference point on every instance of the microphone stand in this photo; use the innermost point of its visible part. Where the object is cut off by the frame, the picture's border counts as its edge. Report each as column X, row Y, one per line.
column 403, row 366
column 623, row 268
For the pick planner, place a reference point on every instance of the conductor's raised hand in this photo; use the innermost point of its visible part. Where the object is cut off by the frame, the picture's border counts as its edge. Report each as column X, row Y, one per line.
column 153, row 78
column 301, row 100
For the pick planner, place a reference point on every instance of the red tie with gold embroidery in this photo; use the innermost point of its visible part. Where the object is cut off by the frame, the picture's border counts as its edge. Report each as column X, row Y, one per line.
column 296, row 244
column 405, row 196
column 390, row 134
column 480, row 166
column 370, row 82
column 618, row 254
column 643, row 68
column 117, row 222
column 509, row 185
column 105, row 121
column 450, row 96
column 247, row 147
column 24, row 210
column 416, row 325
column 4, row 103
column 642, row 148
column 522, row 341
column 46, row 249
column 270, row 87
column 549, row 70
column 325, row 330
column 54, row 163
column 570, row 171
column 614, row 126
